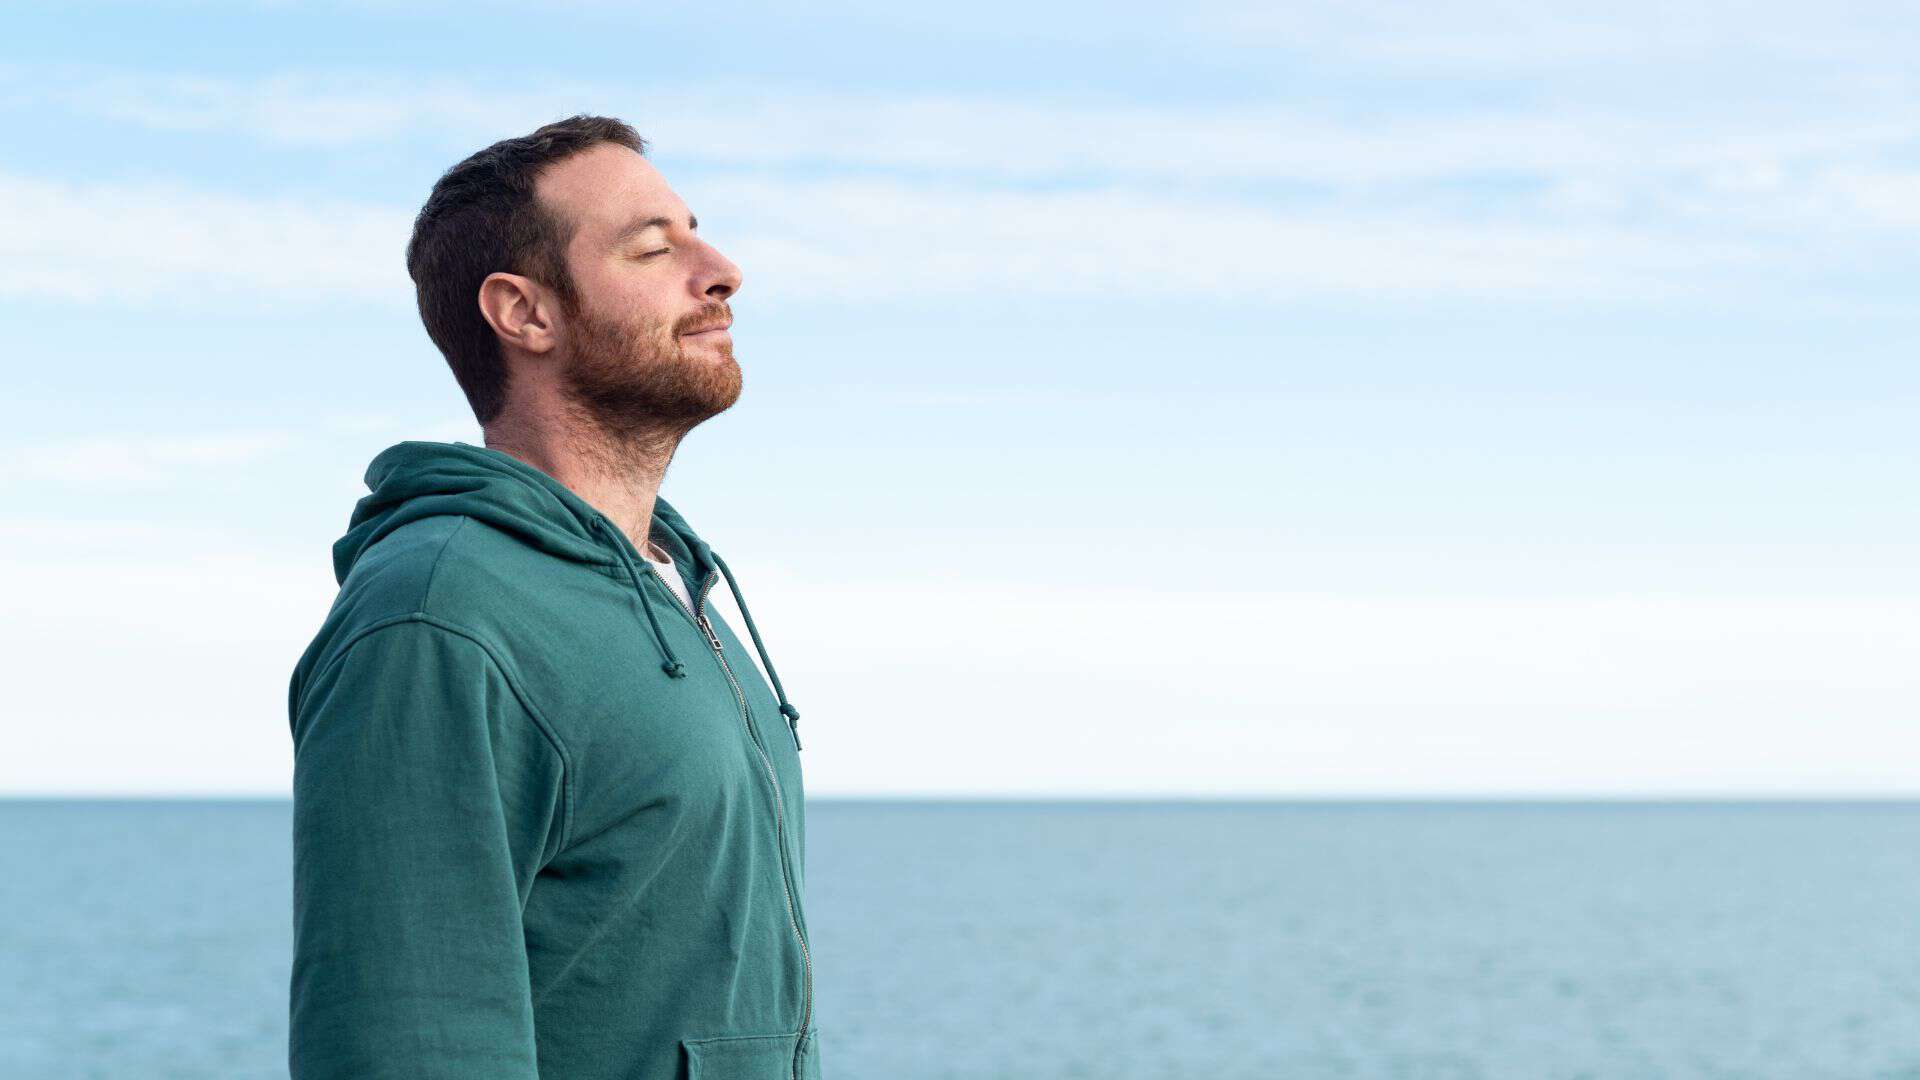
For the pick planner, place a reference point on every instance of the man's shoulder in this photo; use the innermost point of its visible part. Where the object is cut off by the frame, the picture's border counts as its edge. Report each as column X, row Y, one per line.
column 451, row 566
column 396, row 574
column 424, row 571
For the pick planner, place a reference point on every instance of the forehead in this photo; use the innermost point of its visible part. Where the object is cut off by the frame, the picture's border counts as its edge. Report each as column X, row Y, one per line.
column 602, row 189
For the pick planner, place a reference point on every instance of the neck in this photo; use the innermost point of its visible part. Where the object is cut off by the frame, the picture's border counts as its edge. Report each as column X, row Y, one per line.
column 618, row 475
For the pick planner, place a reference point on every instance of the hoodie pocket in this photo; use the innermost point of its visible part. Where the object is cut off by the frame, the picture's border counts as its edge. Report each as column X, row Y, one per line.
column 752, row 1057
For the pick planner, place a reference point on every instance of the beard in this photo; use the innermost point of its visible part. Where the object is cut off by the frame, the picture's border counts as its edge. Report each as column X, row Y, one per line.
column 636, row 381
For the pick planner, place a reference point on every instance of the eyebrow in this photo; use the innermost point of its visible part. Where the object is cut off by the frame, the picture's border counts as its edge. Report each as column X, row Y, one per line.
column 637, row 227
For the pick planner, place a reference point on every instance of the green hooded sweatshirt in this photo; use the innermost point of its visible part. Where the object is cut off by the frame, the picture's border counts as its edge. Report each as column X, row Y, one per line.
column 547, row 822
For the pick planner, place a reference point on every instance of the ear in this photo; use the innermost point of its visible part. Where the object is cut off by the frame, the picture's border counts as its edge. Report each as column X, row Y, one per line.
column 520, row 311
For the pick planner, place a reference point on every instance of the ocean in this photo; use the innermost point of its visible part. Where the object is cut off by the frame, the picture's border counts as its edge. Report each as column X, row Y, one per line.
column 1152, row 940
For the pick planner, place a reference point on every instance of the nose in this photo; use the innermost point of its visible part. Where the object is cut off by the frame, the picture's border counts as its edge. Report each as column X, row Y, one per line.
column 719, row 278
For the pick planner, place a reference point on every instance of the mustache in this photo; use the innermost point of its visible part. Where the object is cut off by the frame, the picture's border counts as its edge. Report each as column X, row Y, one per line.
column 706, row 316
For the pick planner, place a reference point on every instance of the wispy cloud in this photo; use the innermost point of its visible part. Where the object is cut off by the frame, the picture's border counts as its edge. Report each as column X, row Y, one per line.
column 305, row 109
column 1283, row 693
column 913, row 240
column 161, row 461
column 1517, row 35
column 796, row 240
column 986, row 139
column 122, row 461
column 170, row 242
column 838, row 194
column 1296, row 692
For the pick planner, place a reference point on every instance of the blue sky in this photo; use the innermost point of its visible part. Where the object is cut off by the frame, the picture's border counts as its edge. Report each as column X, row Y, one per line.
column 1253, row 399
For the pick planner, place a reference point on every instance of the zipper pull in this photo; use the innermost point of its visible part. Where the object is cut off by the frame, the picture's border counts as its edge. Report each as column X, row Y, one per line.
column 713, row 639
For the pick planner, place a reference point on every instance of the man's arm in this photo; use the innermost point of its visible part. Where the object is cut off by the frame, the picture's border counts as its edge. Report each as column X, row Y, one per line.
column 425, row 799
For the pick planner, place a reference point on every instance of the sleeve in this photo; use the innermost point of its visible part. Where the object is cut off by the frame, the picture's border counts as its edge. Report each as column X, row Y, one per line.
column 426, row 797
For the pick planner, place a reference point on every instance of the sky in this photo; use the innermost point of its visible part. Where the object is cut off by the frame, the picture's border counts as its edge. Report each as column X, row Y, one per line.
column 1211, row 400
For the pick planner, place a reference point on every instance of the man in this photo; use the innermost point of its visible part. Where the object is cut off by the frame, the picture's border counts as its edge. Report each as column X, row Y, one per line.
column 548, row 817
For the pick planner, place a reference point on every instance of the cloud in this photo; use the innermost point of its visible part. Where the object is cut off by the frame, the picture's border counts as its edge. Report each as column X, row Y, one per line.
column 97, row 241
column 996, row 140
column 319, row 109
column 1509, row 35
column 160, row 462
column 833, row 195
column 869, row 238
column 850, row 239
column 1154, row 689
column 147, row 657
column 146, row 462
column 154, row 657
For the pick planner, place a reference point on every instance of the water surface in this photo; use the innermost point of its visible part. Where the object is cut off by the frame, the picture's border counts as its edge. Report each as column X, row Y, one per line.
column 1112, row 940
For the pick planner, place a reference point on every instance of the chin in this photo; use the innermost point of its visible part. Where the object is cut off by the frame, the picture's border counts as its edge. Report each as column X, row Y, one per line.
column 698, row 352
column 719, row 381
column 710, row 362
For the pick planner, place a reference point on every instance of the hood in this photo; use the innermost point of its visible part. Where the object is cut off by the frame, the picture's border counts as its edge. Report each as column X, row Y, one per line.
column 418, row 479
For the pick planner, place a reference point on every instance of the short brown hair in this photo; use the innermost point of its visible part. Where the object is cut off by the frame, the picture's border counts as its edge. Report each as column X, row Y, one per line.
column 482, row 217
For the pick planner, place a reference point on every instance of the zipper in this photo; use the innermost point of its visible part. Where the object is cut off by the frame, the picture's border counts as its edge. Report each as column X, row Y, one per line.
column 779, row 803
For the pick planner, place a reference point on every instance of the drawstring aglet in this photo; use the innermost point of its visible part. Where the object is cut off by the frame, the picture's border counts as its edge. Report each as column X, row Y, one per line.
column 779, row 692
column 671, row 665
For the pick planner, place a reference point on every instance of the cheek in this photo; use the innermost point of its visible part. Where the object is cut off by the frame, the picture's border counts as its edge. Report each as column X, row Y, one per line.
column 628, row 289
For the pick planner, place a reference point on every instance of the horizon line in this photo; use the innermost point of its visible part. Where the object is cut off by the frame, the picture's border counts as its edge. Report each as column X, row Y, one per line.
column 1718, row 797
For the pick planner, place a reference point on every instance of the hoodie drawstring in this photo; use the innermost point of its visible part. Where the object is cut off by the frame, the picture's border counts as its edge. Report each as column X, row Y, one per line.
column 786, row 707
column 671, row 665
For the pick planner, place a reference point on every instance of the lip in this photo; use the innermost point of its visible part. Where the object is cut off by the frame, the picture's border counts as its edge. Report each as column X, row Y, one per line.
column 721, row 329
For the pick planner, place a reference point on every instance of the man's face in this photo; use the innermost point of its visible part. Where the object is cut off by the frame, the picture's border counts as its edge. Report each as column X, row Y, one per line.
column 641, row 357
